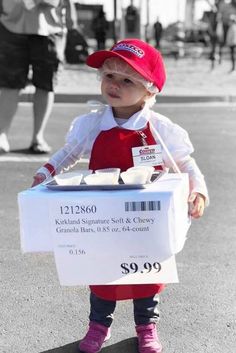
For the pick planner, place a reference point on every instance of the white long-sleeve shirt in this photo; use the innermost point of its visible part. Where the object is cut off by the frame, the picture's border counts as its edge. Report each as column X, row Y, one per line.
column 85, row 128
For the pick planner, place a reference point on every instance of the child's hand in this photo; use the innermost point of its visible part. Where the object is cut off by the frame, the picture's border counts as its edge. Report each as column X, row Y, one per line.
column 196, row 204
column 38, row 179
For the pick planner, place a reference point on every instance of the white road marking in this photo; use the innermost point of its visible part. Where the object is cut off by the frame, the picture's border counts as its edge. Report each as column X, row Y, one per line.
column 33, row 159
column 29, row 159
column 163, row 104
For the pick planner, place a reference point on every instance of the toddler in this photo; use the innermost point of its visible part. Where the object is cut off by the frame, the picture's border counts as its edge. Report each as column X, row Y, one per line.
column 132, row 73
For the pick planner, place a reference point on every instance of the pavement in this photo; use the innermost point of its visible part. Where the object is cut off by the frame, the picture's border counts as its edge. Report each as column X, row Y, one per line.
column 198, row 315
column 188, row 80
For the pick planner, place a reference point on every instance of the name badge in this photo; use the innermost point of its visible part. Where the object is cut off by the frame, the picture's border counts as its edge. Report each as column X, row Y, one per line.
column 150, row 155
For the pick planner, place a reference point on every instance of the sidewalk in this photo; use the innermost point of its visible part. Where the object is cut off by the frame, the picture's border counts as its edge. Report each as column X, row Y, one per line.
column 188, row 80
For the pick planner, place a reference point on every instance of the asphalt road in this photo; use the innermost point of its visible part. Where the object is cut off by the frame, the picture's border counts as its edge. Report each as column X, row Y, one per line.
column 197, row 315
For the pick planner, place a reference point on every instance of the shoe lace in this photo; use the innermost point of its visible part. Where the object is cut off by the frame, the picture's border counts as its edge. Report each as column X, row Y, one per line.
column 149, row 335
column 95, row 335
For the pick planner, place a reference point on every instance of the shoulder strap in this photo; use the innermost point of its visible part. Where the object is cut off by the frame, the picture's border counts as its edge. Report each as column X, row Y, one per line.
column 157, row 135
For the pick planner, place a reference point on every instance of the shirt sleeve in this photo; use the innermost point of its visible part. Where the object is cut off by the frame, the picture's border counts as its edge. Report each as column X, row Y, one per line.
column 178, row 143
column 73, row 149
column 196, row 178
column 78, row 143
column 175, row 138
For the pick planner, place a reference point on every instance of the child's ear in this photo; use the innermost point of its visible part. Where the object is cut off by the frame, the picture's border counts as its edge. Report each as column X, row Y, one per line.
column 149, row 95
column 150, row 99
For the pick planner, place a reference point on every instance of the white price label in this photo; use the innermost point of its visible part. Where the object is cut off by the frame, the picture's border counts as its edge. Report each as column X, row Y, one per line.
column 92, row 245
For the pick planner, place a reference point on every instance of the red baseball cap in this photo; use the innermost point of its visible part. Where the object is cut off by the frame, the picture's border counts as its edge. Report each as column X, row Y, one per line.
column 141, row 56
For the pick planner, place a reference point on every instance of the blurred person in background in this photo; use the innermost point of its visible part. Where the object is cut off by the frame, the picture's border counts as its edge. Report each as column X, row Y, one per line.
column 32, row 36
column 231, row 40
column 219, row 21
column 226, row 9
column 158, row 30
column 178, row 49
column 100, row 27
column 216, row 33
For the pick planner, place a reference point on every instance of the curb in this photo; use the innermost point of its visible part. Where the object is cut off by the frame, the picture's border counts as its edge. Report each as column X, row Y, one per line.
column 83, row 98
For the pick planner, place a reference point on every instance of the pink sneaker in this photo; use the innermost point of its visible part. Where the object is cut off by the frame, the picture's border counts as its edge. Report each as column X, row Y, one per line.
column 148, row 341
column 94, row 338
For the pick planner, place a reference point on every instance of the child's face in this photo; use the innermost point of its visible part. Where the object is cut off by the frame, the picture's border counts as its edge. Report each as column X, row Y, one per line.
column 123, row 93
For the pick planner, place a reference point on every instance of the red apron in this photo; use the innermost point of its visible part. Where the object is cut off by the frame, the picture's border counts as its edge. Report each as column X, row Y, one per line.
column 113, row 149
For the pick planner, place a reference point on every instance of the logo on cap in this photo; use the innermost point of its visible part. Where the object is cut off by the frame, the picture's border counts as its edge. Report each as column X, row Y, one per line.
column 129, row 47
